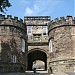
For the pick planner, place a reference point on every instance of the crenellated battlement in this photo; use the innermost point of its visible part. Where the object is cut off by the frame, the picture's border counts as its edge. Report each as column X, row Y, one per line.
column 69, row 20
column 9, row 20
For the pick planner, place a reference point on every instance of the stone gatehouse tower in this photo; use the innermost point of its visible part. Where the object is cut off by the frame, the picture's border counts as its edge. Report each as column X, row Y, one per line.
column 37, row 39
column 62, row 44
column 13, row 44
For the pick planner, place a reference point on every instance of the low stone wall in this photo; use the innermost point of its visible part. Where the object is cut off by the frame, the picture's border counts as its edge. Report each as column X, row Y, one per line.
column 63, row 65
column 12, row 67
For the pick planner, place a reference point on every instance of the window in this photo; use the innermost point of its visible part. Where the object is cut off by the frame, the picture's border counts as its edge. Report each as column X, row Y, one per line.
column 14, row 58
column 44, row 30
column 3, row 29
column 7, row 30
column 29, row 30
column 50, row 46
column 23, row 45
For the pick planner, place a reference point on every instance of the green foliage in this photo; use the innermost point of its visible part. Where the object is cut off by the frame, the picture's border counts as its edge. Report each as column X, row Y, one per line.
column 3, row 5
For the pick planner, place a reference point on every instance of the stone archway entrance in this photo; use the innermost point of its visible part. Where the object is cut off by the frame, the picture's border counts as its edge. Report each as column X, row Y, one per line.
column 36, row 55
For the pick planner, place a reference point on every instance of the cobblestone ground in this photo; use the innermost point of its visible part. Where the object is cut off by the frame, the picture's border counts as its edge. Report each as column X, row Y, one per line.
column 38, row 73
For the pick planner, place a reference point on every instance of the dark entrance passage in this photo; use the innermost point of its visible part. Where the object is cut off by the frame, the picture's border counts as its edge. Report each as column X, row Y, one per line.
column 36, row 55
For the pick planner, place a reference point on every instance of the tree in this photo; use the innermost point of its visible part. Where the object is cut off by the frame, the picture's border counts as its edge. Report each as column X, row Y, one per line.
column 3, row 5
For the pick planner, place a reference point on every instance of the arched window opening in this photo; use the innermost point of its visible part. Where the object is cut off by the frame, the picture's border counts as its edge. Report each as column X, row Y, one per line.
column 23, row 45
column 50, row 46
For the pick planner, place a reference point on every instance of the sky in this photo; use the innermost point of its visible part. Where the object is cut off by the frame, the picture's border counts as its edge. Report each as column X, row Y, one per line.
column 53, row 8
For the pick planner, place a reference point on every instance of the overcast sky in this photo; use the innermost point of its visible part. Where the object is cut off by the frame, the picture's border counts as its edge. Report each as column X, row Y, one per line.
column 53, row 8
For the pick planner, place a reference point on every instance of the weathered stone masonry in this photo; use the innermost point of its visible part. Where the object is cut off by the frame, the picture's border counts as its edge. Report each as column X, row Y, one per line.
column 58, row 52
column 13, row 44
column 62, row 44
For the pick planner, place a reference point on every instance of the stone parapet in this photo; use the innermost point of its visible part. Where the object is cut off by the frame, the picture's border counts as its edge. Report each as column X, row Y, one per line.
column 36, row 20
column 69, row 20
column 12, row 21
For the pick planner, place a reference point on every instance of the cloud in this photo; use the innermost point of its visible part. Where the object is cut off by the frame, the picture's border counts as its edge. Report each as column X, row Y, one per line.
column 32, row 9
column 28, row 11
column 40, row 7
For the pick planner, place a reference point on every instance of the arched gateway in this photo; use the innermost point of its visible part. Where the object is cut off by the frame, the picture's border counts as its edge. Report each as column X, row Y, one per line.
column 37, row 54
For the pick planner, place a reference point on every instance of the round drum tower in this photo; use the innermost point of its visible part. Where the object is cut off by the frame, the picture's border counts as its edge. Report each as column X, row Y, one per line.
column 13, row 43
column 62, row 44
